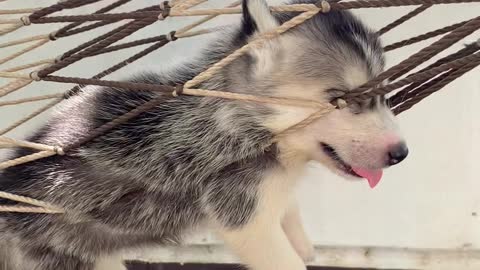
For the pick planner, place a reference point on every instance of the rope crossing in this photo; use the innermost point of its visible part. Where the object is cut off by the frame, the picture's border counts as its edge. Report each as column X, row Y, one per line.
column 410, row 89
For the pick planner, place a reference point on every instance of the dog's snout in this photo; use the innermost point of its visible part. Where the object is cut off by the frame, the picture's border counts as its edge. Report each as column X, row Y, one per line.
column 397, row 153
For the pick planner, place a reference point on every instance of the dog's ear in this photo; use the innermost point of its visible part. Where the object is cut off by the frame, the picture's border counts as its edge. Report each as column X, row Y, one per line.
column 257, row 17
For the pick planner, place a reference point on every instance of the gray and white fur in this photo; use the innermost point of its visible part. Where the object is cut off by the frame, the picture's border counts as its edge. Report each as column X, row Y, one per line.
column 201, row 160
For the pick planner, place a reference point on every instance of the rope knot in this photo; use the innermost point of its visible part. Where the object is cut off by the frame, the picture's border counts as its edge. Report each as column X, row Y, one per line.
column 34, row 76
column 171, row 36
column 165, row 8
column 25, row 20
column 53, row 36
column 58, row 58
column 58, row 150
column 324, row 6
column 178, row 90
column 164, row 4
column 339, row 103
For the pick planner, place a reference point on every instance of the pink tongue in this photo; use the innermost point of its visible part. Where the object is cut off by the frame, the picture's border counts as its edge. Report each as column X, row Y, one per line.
column 373, row 176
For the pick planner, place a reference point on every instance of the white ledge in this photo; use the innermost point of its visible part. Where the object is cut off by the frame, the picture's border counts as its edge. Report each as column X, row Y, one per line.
column 363, row 257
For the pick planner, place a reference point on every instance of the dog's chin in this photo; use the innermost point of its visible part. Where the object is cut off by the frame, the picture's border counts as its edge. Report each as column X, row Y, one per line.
column 330, row 159
column 342, row 172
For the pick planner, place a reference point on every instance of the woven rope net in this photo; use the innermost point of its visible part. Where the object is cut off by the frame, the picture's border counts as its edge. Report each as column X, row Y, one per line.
column 405, row 88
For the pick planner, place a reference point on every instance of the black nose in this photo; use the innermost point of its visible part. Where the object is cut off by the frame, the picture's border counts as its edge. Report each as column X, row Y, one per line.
column 397, row 153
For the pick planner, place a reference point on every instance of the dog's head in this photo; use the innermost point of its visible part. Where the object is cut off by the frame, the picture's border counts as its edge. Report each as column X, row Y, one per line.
column 322, row 59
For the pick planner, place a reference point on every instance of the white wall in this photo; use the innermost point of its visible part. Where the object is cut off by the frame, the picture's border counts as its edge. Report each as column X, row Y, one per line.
column 426, row 202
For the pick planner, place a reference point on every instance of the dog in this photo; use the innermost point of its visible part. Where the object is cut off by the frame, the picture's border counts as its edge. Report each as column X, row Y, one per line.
column 195, row 160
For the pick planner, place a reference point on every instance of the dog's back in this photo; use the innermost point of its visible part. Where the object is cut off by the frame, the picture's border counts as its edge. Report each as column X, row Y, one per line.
column 5, row 256
column 155, row 168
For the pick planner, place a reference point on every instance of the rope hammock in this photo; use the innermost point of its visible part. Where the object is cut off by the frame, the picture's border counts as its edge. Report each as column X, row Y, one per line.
column 410, row 87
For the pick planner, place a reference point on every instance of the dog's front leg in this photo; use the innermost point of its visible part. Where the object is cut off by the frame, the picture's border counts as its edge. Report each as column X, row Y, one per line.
column 293, row 227
column 247, row 209
column 260, row 240
column 263, row 245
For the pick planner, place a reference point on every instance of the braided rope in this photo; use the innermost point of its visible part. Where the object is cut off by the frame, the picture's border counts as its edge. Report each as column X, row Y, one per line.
column 10, row 28
column 308, row 7
column 435, row 85
column 420, row 76
column 116, row 67
column 161, row 41
column 394, row 3
column 305, row 122
column 198, row 32
column 421, row 56
column 187, row 91
column 23, row 40
column 204, row 20
column 67, row 30
column 26, row 209
column 39, row 17
column 188, row 4
column 9, row 142
column 20, row 161
column 129, row 29
column 30, row 116
column 24, row 51
column 423, row 37
column 14, row 86
column 30, row 99
column 98, row 39
column 18, row 11
column 117, row 121
column 404, row 19
column 400, row 96
column 297, row 20
column 14, row 75
column 207, row 74
column 59, row 6
column 63, row 32
column 25, row 159
column 31, row 65
column 27, row 200
column 253, row 98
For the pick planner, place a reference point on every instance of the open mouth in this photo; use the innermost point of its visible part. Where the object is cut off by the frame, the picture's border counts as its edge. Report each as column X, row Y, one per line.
column 341, row 165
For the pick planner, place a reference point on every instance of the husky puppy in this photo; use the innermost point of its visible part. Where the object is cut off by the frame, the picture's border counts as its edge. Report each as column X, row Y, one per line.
column 195, row 160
